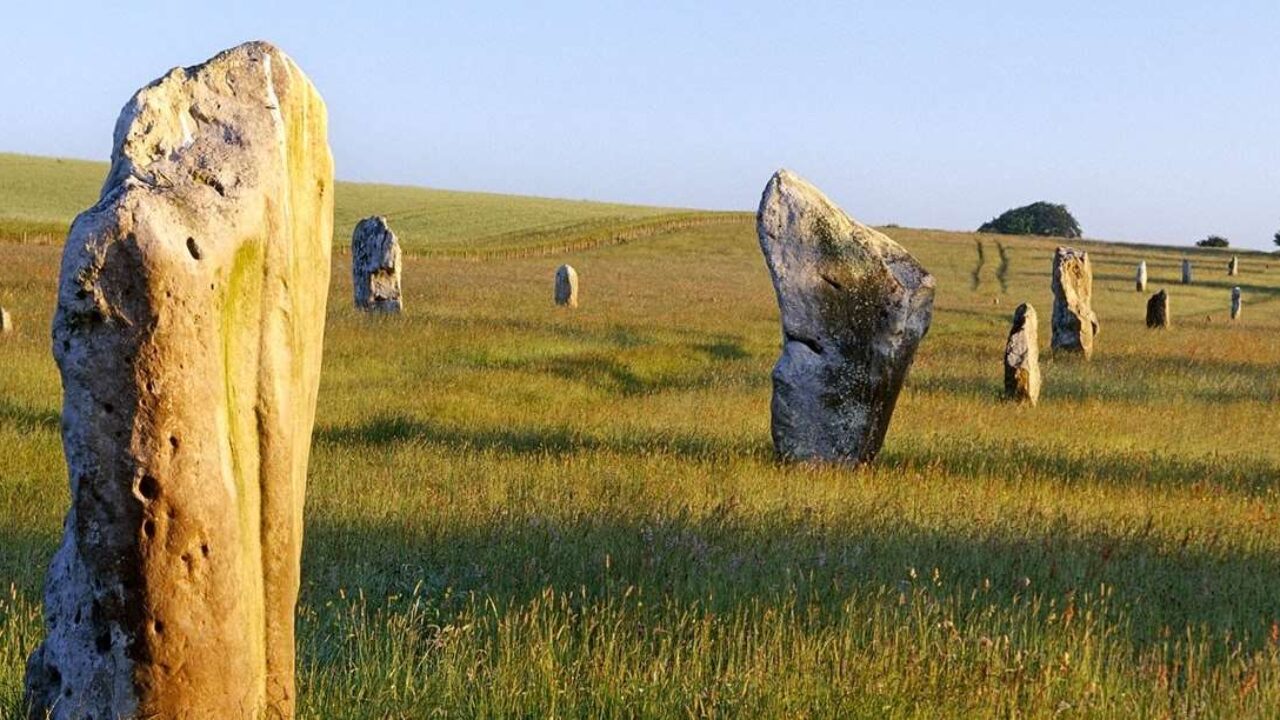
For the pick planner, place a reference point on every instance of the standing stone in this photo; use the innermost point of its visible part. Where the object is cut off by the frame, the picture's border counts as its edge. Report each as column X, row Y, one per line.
column 375, row 266
column 567, row 286
column 854, row 307
column 1186, row 272
column 1141, row 280
column 1158, row 310
column 188, row 333
column 1022, row 357
column 1074, row 323
column 6, row 322
column 1233, row 266
column 1236, row 303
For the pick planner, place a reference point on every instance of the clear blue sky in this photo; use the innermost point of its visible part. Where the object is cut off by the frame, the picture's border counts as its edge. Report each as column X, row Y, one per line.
column 1153, row 121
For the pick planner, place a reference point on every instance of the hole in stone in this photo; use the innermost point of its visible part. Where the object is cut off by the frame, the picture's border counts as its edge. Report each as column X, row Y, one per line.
column 149, row 528
column 108, row 408
column 103, row 642
column 67, row 692
column 76, row 619
column 148, row 487
column 204, row 549
column 193, row 248
column 173, row 441
column 157, row 626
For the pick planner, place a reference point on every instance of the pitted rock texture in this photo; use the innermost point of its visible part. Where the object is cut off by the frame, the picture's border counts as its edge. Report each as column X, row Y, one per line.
column 1140, row 281
column 567, row 286
column 1237, row 303
column 1022, row 357
column 1074, row 323
column 188, row 333
column 1186, row 272
column 1158, row 310
column 854, row 307
column 375, row 266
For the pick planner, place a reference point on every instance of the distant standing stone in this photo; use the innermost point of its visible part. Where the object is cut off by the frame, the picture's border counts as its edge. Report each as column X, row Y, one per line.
column 1236, row 303
column 854, row 306
column 1186, row 272
column 1074, row 323
column 1158, row 310
column 1141, row 280
column 1022, row 357
column 567, row 286
column 6, row 322
column 376, row 266
column 1233, row 266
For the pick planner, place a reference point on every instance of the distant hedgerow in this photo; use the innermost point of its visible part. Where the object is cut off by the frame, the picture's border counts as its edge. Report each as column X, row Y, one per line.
column 1039, row 218
column 1214, row 241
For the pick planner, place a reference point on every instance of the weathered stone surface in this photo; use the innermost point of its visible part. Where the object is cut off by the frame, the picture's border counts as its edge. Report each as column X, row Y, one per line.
column 1186, row 272
column 1140, row 281
column 854, row 307
column 375, row 266
column 1158, row 310
column 6, row 321
column 567, row 286
column 188, row 333
column 1074, row 323
column 1236, row 303
column 1233, row 266
column 1022, row 357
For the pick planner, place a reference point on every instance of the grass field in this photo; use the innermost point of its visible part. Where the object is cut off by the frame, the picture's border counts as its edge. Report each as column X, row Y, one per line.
column 521, row 511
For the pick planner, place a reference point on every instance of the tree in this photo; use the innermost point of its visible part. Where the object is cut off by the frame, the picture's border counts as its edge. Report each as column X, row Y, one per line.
column 1276, row 237
column 1214, row 241
column 1039, row 218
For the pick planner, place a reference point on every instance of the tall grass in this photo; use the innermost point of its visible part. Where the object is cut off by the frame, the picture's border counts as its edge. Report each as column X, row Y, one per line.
column 517, row 510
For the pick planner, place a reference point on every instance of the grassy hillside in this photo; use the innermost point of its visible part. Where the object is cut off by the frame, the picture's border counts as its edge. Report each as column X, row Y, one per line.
column 40, row 196
column 521, row 511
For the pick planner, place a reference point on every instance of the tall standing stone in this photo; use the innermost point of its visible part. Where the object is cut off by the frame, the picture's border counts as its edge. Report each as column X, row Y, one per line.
column 1158, row 310
column 1233, row 266
column 1074, row 323
column 567, row 286
column 188, row 333
column 1236, row 303
column 1186, row 272
column 1022, row 357
column 1141, row 280
column 854, row 307
column 6, row 322
column 375, row 266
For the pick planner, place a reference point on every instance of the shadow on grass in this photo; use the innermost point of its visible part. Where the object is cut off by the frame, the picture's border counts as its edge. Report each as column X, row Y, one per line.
column 399, row 429
column 25, row 418
column 1132, row 379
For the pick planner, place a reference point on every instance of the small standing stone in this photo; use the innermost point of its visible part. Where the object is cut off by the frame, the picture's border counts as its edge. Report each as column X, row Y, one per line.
column 1186, row 272
column 1236, row 302
column 567, row 286
column 1158, row 310
column 1233, row 266
column 1074, row 323
column 375, row 266
column 1022, row 357
column 1141, row 280
column 6, row 322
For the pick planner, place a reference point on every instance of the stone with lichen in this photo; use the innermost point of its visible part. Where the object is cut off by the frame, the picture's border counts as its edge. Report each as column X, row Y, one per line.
column 854, row 306
column 188, row 332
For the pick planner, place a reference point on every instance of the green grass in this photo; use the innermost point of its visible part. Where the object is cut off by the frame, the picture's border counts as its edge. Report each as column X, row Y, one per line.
column 40, row 196
column 520, row 511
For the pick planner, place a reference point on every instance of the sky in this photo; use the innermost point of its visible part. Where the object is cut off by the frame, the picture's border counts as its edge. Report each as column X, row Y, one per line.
column 1152, row 121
